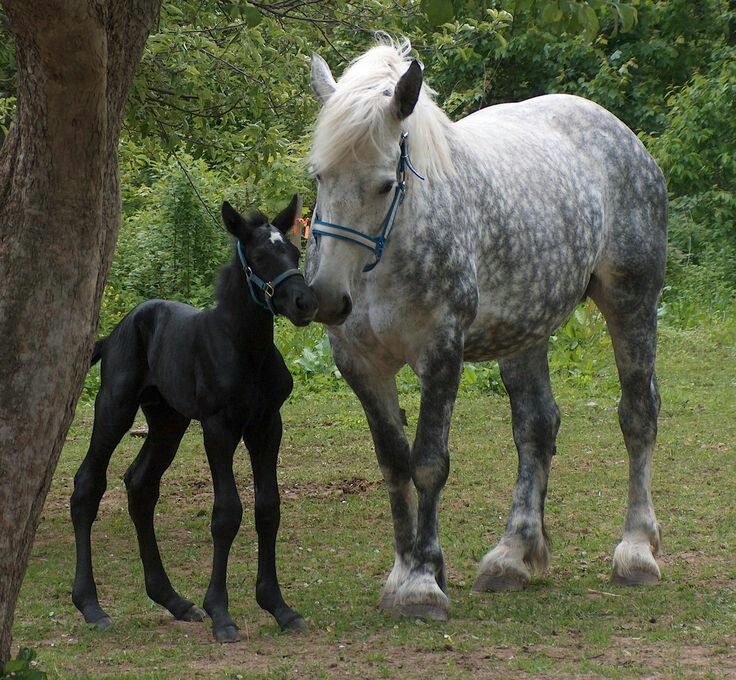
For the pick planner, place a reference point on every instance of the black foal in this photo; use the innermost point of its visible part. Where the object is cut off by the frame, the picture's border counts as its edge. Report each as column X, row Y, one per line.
column 218, row 366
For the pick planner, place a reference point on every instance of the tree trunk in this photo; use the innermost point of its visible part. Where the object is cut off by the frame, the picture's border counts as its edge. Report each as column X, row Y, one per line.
column 59, row 219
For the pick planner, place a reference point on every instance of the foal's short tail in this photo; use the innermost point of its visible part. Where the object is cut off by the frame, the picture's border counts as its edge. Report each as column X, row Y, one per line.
column 97, row 352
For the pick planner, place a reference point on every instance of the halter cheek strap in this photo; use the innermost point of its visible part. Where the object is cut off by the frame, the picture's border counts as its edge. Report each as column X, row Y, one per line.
column 373, row 243
column 268, row 288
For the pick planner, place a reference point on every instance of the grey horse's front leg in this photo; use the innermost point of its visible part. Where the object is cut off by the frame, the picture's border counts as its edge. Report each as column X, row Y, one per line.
column 422, row 593
column 375, row 386
column 523, row 549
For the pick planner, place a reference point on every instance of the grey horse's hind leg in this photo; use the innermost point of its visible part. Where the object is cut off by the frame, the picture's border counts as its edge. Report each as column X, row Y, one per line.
column 523, row 549
column 633, row 329
column 375, row 386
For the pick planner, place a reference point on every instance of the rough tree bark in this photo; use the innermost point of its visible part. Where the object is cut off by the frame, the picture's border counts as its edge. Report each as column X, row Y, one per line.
column 59, row 219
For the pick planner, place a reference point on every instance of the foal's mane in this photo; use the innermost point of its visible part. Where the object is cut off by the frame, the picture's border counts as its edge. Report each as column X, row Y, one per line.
column 352, row 121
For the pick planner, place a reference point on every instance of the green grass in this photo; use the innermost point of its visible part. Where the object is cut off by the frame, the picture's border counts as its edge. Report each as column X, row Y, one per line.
column 335, row 547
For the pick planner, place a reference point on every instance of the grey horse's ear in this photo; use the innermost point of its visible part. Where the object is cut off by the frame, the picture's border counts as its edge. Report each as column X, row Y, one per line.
column 323, row 84
column 407, row 90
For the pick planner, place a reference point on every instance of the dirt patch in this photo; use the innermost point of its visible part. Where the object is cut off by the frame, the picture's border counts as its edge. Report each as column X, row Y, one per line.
column 694, row 660
column 345, row 487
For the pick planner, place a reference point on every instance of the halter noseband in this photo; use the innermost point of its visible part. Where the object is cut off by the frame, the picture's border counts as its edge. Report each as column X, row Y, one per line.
column 373, row 243
column 268, row 288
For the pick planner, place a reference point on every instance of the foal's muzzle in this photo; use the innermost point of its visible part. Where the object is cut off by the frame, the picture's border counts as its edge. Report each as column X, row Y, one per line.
column 299, row 304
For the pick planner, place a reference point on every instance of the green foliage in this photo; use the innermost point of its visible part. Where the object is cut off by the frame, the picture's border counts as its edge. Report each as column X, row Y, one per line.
column 571, row 16
column 169, row 245
column 581, row 349
column 23, row 667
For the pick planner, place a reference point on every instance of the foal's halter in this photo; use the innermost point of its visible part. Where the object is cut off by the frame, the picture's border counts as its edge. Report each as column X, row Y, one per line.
column 268, row 288
column 374, row 243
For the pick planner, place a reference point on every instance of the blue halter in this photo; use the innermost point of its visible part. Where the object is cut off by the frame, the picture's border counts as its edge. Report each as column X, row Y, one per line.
column 268, row 288
column 373, row 243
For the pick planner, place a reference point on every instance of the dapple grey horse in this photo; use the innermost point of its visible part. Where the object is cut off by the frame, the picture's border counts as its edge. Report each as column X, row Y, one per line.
column 478, row 245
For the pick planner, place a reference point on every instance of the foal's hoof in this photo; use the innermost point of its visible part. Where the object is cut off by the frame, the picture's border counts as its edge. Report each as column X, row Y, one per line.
column 102, row 623
column 634, row 565
column 194, row 613
column 296, row 625
column 227, row 633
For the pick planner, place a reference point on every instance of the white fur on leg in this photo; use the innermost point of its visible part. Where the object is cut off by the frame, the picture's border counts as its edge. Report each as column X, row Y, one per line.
column 398, row 575
column 419, row 596
column 633, row 561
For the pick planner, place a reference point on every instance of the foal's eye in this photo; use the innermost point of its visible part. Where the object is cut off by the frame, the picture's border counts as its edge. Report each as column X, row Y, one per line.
column 386, row 187
column 319, row 177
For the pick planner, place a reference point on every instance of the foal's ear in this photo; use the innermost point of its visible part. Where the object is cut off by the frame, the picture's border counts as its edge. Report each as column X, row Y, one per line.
column 237, row 225
column 407, row 90
column 233, row 220
column 289, row 215
column 323, row 84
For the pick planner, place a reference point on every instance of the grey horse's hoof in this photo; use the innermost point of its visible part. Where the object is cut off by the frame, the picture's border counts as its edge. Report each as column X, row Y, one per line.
column 296, row 625
column 635, row 578
column 387, row 601
column 194, row 613
column 426, row 612
column 505, row 581
column 634, row 563
column 228, row 633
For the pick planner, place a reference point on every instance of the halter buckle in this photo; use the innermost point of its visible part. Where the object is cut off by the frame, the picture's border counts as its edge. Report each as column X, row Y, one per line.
column 268, row 290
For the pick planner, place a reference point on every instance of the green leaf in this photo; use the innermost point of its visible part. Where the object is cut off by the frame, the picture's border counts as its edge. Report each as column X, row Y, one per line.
column 551, row 13
column 628, row 16
column 590, row 21
column 438, row 11
column 251, row 15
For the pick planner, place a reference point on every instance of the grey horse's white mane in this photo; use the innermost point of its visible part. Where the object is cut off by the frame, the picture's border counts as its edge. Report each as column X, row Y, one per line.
column 353, row 121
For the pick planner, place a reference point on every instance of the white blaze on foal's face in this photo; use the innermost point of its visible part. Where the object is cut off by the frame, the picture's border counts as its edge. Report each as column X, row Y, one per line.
column 276, row 236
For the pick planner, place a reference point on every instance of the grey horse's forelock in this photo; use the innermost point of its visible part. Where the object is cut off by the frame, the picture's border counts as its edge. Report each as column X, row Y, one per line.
column 352, row 124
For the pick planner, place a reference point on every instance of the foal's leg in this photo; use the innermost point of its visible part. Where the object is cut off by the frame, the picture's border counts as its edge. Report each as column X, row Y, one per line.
column 143, row 481
column 633, row 329
column 115, row 410
column 220, row 440
column 263, row 440
column 422, row 593
column 375, row 386
column 523, row 550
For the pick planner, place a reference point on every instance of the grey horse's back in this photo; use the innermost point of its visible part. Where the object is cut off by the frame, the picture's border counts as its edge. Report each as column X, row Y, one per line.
column 607, row 151
column 575, row 199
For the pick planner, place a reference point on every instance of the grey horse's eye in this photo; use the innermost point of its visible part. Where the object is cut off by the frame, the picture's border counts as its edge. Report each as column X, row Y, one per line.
column 386, row 187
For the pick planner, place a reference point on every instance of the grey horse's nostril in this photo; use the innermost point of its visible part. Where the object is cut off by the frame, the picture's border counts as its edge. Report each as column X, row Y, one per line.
column 347, row 306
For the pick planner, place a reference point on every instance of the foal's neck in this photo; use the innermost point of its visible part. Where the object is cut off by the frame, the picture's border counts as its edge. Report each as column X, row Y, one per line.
column 250, row 324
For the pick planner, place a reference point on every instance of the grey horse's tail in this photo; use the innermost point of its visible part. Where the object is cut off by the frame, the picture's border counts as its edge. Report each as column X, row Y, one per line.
column 97, row 352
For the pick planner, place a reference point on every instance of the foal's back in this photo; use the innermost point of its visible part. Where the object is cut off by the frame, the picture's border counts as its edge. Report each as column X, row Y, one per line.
column 161, row 347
